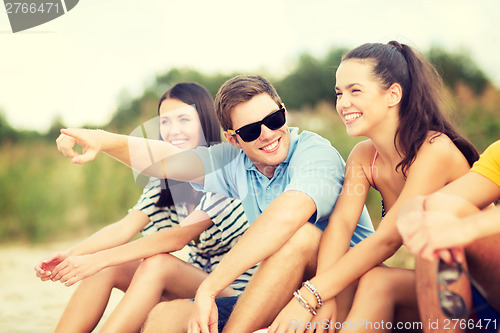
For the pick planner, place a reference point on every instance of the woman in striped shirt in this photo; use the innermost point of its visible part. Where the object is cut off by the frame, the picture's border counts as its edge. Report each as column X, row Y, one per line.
column 171, row 216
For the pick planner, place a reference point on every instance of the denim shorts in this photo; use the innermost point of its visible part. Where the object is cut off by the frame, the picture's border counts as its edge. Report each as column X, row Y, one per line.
column 225, row 306
column 485, row 315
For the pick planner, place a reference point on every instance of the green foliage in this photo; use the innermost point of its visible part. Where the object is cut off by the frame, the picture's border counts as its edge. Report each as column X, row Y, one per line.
column 45, row 196
column 211, row 82
column 7, row 133
column 481, row 126
column 128, row 115
column 312, row 81
column 459, row 67
column 306, row 85
column 10, row 135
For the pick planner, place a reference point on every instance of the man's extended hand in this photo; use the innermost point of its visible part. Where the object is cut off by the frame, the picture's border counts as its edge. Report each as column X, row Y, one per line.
column 88, row 139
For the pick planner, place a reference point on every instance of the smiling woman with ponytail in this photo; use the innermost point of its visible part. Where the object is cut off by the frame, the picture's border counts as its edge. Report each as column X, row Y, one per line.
column 390, row 94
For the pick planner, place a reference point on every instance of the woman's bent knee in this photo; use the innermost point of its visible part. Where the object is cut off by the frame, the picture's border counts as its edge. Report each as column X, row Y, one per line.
column 305, row 240
column 377, row 282
column 159, row 265
column 158, row 260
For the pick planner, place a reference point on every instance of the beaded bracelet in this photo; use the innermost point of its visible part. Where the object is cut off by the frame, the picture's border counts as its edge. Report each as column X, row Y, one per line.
column 304, row 303
column 312, row 288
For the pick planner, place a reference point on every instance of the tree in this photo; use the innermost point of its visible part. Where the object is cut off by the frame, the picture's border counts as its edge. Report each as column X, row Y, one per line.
column 458, row 67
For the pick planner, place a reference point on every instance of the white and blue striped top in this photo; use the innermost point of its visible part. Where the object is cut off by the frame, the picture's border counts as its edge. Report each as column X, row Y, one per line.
column 229, row 220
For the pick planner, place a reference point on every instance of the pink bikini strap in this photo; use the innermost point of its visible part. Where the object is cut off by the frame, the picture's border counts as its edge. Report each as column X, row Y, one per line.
column 371, row 167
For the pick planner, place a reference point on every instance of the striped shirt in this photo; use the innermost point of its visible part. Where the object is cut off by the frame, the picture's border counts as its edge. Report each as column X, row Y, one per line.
column 229, row 221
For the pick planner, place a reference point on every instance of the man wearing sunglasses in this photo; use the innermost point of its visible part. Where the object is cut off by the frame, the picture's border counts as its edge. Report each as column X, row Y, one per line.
column 448, row 229
column 284, row 180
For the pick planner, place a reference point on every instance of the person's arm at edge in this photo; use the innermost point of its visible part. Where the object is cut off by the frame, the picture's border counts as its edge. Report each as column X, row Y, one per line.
column 481, row 192
column 447, row 220
column 475, row 188
column 483, row 224
column 443, row 231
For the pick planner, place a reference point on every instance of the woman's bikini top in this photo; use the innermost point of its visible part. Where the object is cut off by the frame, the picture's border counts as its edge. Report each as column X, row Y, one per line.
column 371, row 169
column 373, row 181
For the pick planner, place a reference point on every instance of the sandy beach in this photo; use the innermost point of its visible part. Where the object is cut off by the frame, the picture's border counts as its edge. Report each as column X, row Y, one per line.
column 28, row 305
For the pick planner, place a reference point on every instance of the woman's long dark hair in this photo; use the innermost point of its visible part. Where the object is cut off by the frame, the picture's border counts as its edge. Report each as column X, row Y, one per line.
column 192, row 94
column 420, row 110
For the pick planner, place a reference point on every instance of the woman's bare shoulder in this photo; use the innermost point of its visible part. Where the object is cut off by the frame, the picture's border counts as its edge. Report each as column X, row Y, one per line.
column 439, row 152
column 364, row 150
column 440, row 145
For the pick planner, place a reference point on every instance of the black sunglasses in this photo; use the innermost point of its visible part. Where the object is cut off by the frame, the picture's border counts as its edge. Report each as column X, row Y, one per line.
column 452, row 304
column 251, row 132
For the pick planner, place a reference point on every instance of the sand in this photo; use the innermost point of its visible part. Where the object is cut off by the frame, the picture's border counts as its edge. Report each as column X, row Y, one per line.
column 27, row 304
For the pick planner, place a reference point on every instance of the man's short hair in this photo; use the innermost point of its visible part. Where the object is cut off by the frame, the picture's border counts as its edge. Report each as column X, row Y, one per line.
column 237, row 90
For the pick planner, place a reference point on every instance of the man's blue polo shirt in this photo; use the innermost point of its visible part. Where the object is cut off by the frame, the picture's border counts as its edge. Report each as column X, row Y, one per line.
column 312, row 166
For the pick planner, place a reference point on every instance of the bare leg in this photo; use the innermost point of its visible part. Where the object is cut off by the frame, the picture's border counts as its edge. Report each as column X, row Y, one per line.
column 86, row 306
column 381, row 292
column 169, row 317
column 272, row 285
column 162, row 275
column 345, row 301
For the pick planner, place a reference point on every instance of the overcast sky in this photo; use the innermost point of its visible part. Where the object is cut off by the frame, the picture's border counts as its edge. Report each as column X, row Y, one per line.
column 77, row 65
